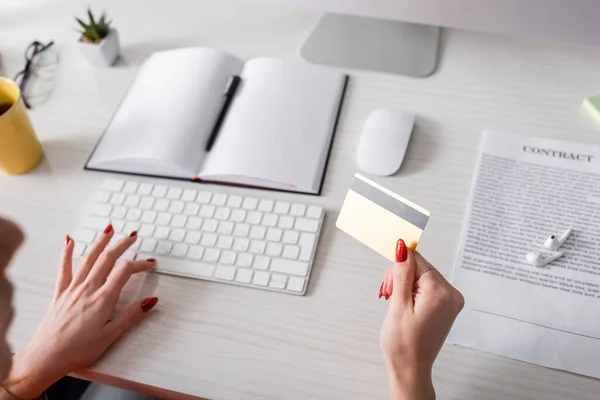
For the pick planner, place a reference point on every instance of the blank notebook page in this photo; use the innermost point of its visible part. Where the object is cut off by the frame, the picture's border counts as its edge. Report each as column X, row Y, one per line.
column 280, row 125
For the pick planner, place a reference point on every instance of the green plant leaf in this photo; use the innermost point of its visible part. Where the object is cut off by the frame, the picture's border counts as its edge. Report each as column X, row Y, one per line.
column 83, row 24
column 91, row 16
column 102, row 19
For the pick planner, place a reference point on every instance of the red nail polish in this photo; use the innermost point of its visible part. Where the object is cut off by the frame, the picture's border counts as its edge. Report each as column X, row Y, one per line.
column 133, row 234
column 381, row 289
column 108, row 229
column 152, row 260
column 67, row 240
column 401, row 251
column 387, row 296
column 196, row 179
column 149, row 303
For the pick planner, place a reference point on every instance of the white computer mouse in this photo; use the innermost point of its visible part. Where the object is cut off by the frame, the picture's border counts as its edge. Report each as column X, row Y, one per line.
column 384, row 141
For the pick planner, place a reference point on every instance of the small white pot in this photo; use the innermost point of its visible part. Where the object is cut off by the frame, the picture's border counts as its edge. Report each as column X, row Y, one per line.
column 103, row 54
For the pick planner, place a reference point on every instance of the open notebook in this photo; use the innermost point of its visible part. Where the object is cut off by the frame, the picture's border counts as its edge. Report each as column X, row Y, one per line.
column 276, row 133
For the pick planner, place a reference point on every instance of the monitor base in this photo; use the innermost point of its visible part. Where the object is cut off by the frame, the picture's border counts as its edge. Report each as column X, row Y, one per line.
column 373, row 44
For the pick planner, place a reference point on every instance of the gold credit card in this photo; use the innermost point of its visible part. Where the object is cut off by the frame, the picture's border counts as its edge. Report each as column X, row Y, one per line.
column 378, row 217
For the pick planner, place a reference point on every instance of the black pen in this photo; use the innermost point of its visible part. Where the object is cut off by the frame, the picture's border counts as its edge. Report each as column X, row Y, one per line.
column 230, row 89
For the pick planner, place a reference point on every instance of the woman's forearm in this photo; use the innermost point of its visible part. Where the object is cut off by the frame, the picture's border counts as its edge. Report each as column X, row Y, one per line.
column 409, row 385
column 24, row 380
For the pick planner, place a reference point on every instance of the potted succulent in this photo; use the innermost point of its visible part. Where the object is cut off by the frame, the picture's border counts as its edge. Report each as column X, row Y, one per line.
column 99, row 43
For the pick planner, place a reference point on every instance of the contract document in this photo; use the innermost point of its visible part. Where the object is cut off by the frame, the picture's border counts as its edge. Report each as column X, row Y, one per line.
column 526, row 189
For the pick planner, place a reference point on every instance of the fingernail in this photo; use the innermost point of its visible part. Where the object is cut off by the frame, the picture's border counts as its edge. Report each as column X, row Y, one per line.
column 108, row 229
column 133, row 234
column 151, row 260
column 67, row 240
column 387, row 296
column 381, row 289
column 149, row 303
column 401, row 251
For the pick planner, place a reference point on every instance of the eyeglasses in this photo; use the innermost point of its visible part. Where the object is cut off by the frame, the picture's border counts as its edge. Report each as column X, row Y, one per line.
column 23, row 76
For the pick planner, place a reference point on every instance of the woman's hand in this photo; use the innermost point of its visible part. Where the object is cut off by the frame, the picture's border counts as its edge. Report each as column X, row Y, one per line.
column 80, row 326
column 422, row 309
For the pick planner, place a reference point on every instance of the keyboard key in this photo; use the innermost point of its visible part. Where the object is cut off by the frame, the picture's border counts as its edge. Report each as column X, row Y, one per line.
column 234, row 202
column 96, row 223
column 210, row 225
column 174, row 193
column 128, row 255
column 289, row 267
column 295, row 284
column 189, row 195
column 131, row 226
column 176, row 207
column 84, row 235
column 113, row 185
column 243, row 276
column 227, row 257
column 178, row 221
column 194, row 223
column 211, row 255
column 285, row 222
column 132, row 200
column 203, row 197
column 274, row 249
column 101, row 210
column 269, row 220
column 225, row 273
column 219, row 199
column 133, row 214
column 130, row 187
column 163, row 218
column 307, row 244
column 266, row 205
column 177, row 235
column 148, row 245
column 207, row 211
column 257, row 246
column 146, row 203
column 274, row 234
column 238, row 215
column 291, row 252
column 254, row 217
column 195, row 252
column 258, row 232
column 307, row 225
column 261, row 262
column 250, row 203
column 241, row 230
column 180, row 250
column 191, row 209
column 192, row 237
column 290, row 237
column 117, row 199
column 118, row 225
column 282, row 207
column 222, row 213
column 298, row 210
column 314, row 212
column 182, row 267
column 161, row 205
column 101, row 197
column 241, row 244
column 118, row 212
column 162, row 232
column 244, row 260
column 278, row 281
column 261, row 278
column 224, row 242
column 163, row 247
column 149, row 216
column 146, row 230
column 145, row 189
column 225, row 227
column 208, row 240
column 159, row 191
column 79, row 249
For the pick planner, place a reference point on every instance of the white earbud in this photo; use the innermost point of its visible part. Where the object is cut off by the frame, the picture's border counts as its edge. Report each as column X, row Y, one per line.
column 539, row 260
column 554, row 242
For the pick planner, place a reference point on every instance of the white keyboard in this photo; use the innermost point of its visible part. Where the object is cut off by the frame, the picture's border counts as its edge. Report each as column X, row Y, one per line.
column 241, row 240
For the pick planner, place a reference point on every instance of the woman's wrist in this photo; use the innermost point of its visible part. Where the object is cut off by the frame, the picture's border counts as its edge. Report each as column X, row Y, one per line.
column 406, row 383
column 26, row 379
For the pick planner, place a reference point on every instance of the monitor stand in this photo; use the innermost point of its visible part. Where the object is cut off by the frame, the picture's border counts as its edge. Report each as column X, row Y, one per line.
column 373, row 44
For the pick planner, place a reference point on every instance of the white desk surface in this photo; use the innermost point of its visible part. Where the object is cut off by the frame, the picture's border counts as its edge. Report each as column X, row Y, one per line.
column 225, row 342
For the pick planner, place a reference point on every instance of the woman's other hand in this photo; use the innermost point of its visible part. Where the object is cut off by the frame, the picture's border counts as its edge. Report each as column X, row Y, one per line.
column 423, row 307
column 80, row 326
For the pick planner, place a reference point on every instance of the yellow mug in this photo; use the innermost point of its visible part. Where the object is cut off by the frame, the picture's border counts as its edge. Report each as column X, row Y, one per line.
column 20, row 149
